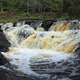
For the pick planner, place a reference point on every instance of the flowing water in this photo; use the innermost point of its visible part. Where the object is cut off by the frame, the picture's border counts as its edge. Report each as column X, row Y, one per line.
column 29, row 46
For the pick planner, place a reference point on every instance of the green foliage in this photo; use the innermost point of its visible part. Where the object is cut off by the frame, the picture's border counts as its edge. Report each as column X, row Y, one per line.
column 72, row 8
column 32, row 5
column 58, row 7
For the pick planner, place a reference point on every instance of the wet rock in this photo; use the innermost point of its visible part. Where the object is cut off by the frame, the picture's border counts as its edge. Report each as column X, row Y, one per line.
column 3, row 60
column 47, row 24
column 32, row 22
column 77, row 51
column 7, row 74
column 4, row 44
column 38, row 23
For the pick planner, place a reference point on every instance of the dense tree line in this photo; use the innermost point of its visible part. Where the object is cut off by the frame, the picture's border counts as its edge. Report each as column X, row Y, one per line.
column 69, row 7
column 31, row 5
column 72, row 7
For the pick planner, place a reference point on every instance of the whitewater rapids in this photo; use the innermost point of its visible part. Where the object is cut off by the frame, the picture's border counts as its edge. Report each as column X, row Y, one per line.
column 21, row 57
column 27, row 44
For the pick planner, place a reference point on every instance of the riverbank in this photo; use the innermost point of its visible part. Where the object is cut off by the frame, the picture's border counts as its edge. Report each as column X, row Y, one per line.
column 15, row 16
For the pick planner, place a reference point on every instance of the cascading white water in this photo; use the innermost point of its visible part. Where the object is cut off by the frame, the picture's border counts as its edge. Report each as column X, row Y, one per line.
column 21, row 58
column 27, row 43
column 16, row 34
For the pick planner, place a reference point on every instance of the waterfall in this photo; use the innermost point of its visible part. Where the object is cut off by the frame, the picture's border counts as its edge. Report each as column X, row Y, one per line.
column 26, row 43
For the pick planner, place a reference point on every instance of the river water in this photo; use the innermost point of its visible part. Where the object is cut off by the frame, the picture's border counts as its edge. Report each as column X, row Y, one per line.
column 46, row 55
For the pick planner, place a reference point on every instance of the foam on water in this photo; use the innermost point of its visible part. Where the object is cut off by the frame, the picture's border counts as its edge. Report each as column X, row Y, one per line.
column 53, row 46
column 21, row 58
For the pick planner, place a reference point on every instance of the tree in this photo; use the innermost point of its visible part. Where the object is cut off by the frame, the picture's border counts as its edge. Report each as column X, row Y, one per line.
column 72, row 7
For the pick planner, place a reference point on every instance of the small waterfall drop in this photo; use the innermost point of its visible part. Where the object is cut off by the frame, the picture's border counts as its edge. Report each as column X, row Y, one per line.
column 27, row 44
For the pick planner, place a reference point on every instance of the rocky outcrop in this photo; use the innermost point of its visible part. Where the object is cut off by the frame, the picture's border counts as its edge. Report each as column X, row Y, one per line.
column 6, row 74
column 38, row 23
column 4, row 43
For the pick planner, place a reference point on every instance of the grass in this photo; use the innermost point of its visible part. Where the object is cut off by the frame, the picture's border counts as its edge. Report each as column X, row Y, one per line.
column 14, row 17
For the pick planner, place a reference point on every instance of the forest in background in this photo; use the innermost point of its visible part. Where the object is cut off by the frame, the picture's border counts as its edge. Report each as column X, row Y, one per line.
column 39, row 9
